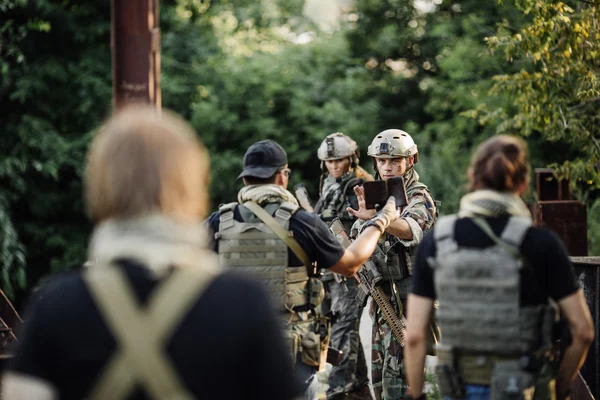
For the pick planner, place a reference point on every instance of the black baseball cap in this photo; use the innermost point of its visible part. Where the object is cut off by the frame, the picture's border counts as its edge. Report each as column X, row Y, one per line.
column 263, row 159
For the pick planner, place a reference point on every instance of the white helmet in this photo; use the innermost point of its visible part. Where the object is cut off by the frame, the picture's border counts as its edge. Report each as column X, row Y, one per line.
column 337, row 146
column 393, row 143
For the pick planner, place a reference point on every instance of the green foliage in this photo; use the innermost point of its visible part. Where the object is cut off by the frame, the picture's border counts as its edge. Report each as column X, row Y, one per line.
column 432, row 388
column 558, row 96
column 456, row 78
column 296, row 97
column 241, row 71
column 12, row 255
column 55, row 89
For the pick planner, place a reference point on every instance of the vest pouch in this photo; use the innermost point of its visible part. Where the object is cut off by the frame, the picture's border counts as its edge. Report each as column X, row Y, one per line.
column 449, row 382
column 328, row 215
column 510, row 382
column 316, row 292
column 296, row 288
column 292, row 341
column 449, row 379
column 311, row 349
column 545, row 384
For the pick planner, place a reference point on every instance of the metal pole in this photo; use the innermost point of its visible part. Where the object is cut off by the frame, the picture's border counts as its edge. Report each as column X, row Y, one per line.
column 135, row 43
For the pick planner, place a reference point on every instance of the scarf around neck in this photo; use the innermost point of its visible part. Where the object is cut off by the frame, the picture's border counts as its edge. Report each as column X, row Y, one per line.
column 264, row 194
column 490, row 203
column 157, row 242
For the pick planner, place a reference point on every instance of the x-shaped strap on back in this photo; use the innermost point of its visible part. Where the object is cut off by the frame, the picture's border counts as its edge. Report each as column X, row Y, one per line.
column 142, row 333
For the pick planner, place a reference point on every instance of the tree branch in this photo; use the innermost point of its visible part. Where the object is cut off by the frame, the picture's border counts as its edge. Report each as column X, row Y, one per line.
column 566, row 126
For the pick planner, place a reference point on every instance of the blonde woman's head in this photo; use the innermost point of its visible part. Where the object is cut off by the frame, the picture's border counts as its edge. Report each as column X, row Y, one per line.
column 144, row 163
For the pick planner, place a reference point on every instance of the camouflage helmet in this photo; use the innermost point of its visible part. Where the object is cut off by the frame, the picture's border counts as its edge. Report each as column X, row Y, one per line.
column 337, row 146
column 393, row 143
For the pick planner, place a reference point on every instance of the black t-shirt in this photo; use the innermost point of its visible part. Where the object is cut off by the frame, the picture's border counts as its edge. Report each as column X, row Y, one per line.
column 229, row 346
column 310, row 232
column 548, row 271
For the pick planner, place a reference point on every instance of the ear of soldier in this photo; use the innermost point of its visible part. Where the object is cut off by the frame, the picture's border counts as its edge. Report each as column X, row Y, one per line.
column 339, row 157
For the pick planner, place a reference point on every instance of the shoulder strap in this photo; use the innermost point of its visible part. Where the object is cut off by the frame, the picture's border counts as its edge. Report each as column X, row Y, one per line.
column 284, row 213
column 280, row 231
column 443, row 234
column 351, row 183
column 515, row 230
column 487, row 229
column 226, row 216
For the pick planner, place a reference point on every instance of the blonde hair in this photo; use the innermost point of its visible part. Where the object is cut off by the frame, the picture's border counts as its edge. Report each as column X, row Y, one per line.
column 142, row 163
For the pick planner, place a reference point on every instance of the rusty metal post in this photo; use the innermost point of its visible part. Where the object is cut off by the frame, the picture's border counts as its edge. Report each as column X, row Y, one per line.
column 568, row 219
column 135, row 43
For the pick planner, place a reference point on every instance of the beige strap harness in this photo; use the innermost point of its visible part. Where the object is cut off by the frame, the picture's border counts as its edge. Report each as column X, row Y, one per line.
column 141, row 333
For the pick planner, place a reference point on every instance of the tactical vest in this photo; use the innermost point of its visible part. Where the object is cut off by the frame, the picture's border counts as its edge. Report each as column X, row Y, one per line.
column 394, row 260
column 253, row 247
column 333, row 204
column 486, row 334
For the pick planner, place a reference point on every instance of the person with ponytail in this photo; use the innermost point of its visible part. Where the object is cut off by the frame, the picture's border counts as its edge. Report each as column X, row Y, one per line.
column 499, row 283
column 339, row 156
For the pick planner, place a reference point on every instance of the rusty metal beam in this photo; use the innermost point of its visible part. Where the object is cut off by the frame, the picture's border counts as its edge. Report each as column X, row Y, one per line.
column 135, row 43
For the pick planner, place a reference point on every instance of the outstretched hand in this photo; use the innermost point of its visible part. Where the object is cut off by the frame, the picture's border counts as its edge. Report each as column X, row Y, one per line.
column 389, row 213
column 362, row 212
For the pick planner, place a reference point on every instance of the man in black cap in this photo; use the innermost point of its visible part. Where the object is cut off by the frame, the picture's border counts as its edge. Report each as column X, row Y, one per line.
column 266, row 234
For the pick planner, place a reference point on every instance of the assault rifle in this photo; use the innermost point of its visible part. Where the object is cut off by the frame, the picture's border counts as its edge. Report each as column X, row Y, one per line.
column 368, row 277
column 303, row 198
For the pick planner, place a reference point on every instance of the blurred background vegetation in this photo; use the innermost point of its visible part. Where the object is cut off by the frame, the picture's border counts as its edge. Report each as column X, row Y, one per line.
column 451, row 73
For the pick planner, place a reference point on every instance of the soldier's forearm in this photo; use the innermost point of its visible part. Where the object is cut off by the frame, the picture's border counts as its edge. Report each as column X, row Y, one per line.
column 401, row 229
column 415, row 352
column 358, row 252
column 571, row 363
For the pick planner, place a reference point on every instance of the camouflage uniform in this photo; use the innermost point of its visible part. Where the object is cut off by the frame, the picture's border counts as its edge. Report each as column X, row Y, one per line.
column 392, row 259
column 351, row 374
column 348, row 379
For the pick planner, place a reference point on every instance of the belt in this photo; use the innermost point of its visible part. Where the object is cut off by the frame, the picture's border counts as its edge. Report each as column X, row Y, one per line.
column 475, row 369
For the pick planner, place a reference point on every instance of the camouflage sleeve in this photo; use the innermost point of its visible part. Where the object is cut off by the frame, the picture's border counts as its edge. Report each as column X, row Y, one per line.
column 420, row 215
column 357, row 228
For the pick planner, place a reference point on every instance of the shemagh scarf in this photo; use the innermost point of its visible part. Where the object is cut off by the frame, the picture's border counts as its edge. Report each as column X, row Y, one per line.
column 333, row 193
column 490, row 203
column 157, row 242
column 264, row 194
